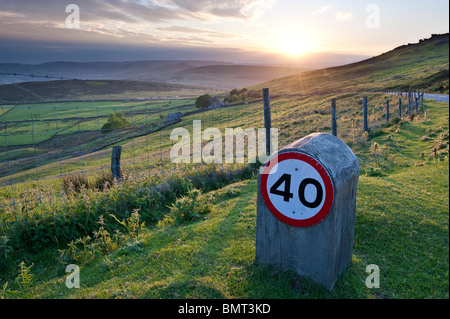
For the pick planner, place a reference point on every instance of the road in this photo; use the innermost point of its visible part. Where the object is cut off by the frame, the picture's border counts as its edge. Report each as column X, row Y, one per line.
column 436, row 97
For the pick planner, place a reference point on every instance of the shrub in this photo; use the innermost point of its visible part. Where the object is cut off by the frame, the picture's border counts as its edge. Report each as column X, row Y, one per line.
column 396, row 120
column 375, row 132
column 374, row 172
column 77, row 182
column 203, row 101
column 188, row 208
column 115, row 121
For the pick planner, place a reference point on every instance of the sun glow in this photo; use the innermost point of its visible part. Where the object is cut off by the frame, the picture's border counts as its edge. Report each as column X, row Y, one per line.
column 295, row 46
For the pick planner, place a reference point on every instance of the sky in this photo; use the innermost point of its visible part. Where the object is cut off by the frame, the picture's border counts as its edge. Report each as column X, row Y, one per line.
column 244, row 31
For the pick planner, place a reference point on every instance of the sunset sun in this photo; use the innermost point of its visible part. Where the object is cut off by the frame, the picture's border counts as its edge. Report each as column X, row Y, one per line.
column 295, row 46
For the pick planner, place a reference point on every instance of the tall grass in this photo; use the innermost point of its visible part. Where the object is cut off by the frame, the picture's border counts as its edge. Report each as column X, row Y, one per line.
column 75, row 213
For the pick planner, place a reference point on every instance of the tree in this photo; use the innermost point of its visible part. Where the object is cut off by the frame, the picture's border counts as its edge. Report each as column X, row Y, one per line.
column 115, row 121
column 203, row 101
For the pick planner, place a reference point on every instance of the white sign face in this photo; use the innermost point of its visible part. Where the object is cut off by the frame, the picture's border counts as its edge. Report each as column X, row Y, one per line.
column 297, row 189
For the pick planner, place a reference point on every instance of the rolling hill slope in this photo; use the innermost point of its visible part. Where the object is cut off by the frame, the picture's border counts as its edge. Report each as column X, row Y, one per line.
column 222, row 75
column 423, row 66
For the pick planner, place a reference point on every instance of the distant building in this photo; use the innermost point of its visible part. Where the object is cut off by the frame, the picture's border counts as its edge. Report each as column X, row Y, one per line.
column 172, row 117
column 215, row 103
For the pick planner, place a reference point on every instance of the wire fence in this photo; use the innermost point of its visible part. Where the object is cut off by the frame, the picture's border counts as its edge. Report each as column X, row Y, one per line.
column 50, row 149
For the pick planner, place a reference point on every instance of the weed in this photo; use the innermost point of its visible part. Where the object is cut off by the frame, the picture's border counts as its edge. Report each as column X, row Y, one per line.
column 188, row 208
column 102, row 238
column 132, row 224
column 25, row 277
column 78, row 182
column 5, row 292
column 5, row 251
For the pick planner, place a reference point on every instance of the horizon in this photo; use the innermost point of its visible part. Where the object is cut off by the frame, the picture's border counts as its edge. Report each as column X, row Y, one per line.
column 264, row 32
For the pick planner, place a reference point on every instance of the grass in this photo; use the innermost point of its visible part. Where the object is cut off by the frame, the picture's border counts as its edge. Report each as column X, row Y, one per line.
column 401, row 226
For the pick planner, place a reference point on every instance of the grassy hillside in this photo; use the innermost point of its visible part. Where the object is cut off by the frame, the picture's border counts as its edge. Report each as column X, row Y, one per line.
column 198, row 240
column 401, row 225
column 423, row 66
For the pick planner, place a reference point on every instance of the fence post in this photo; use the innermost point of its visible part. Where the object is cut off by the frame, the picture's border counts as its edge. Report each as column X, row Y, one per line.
column 115, row 162
column 365, row 125
column 267, row 120
column 416, row 98
column 409, row 103
column 387, row 111
column 400, row 108
column 333, row 117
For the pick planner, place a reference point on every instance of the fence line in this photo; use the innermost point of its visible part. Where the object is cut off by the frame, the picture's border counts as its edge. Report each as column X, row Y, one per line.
column 47, row 149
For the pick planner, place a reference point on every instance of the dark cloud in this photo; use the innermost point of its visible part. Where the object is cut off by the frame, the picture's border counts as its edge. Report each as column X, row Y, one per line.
column 35, row 52
column 116, row 24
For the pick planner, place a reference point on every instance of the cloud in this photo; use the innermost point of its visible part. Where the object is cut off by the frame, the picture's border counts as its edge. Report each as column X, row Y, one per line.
column 129, row 20
column 322, row 9
column 344, row 16
column 193, row 30
column 150, row 11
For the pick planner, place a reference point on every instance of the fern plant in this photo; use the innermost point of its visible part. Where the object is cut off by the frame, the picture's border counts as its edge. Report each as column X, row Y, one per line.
column 132, row 224
column 188, row 208
column 25, row 277
column 5, row 251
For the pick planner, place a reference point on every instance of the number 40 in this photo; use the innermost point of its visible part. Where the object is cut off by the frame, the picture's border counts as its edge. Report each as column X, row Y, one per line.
column 287, row 195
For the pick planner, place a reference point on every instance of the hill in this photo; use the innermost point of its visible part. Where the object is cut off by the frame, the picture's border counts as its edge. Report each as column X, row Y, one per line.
column 77, row 90
column 220, row 75
column 423, row 66
column 128, row 70
column 231, row 76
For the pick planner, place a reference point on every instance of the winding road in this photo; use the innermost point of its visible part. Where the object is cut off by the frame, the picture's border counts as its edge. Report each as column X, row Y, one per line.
column 436, row 97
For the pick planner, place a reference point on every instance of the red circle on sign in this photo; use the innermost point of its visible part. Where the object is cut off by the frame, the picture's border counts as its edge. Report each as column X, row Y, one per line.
column 328, row 193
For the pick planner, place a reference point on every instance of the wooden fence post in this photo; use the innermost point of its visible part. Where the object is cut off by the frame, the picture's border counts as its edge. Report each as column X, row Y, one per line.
column 365, row 124
column 333, row 117
column 416, row 99
column 115, row 162
column 387, row 111
column 267, row 120
column 409, row 103
column 400, row 108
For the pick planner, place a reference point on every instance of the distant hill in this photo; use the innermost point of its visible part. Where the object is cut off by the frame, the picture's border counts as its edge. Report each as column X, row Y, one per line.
column 423, row 65
column 76, row 90
column 222, row 75
column 132, row 70
column 231, row 76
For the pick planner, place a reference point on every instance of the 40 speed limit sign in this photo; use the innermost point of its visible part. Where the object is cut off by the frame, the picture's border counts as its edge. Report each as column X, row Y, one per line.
column 297, row 189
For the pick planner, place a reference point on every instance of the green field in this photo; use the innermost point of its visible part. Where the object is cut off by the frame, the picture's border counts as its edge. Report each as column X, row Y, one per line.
column 402, row 226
